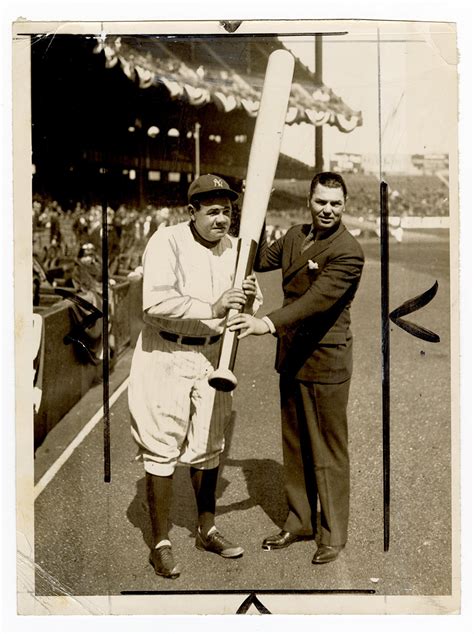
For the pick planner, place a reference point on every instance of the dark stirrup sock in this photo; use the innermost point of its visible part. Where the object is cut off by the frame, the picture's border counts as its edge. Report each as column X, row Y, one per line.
column 204, row 484
column 159, row 491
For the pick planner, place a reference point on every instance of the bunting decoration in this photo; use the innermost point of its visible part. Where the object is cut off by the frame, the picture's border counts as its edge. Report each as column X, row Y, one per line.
column 318, row 117
column 223, row 86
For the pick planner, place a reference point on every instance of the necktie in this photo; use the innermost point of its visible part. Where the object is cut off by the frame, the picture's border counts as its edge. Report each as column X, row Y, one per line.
column 308, row 241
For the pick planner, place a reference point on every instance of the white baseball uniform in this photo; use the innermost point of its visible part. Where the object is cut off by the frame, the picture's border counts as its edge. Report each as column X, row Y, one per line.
column 176, row 415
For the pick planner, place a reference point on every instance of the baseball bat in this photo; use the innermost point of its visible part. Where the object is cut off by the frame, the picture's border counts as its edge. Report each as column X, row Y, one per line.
column 263, row 159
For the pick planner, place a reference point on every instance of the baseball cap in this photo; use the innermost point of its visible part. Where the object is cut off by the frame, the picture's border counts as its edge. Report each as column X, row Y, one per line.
column 209, row 183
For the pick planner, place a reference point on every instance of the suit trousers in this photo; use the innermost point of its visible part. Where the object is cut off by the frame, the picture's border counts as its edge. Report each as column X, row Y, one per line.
column 316, row 457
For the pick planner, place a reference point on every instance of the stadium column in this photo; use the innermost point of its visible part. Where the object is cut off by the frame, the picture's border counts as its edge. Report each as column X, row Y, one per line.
column 318, row 130
column 142, row 167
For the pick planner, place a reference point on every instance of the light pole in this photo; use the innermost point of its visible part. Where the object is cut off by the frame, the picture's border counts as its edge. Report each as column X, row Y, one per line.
column 197, row 156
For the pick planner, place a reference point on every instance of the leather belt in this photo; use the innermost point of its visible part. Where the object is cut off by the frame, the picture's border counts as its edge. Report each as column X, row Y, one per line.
column 189, row 341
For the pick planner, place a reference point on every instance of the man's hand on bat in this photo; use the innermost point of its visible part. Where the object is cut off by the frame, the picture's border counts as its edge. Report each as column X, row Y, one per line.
column 248, row 325
column 233, row 298
column 249, row 286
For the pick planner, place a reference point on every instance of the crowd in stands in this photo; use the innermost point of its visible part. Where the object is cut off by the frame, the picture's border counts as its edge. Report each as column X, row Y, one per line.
column 68, row 242
column 410, row 195
column 61, row 233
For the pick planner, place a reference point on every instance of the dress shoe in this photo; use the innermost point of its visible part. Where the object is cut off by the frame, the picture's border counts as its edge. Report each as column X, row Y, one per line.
column 163, row 562
column 282, row 540
column 214, row 542
column 325, row 554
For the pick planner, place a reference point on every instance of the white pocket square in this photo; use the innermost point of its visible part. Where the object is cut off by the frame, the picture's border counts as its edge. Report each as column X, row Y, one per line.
column 313, row 265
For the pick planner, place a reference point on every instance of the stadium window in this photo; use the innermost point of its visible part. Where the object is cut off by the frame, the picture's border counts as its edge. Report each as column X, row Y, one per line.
column 154, row 175
column 174, row 177
column 132, row 175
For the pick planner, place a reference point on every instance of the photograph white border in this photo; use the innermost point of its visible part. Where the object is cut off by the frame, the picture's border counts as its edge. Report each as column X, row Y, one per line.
column 23, row 342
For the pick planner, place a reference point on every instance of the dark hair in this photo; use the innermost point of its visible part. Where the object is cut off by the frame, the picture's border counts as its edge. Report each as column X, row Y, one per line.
column 195, row 202
column 328, row 179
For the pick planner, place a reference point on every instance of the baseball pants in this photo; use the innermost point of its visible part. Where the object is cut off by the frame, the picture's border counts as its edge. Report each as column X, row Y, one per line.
column 176, row 416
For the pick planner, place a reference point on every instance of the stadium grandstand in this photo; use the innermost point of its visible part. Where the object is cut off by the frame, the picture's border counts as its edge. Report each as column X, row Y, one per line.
column 148, row 113
column 410, row 195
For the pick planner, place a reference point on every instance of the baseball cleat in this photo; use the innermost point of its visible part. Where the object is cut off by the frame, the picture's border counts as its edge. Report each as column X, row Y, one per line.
column 214, row 542
column 163, row 562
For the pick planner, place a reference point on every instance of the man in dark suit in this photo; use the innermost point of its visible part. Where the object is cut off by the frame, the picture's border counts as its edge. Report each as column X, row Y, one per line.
column 321, row 266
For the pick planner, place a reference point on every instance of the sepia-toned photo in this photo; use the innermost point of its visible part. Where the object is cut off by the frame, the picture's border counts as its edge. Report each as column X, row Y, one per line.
column 236, row 272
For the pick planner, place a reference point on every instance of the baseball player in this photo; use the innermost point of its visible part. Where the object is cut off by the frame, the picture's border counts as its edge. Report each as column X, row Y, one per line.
column 177, row 417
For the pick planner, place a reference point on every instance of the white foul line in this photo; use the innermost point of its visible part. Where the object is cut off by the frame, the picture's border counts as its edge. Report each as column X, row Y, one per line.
column 67, row 453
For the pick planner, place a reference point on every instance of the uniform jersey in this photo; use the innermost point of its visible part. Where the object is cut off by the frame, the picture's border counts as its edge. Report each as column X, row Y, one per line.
column 176, row 415
column 183, row 278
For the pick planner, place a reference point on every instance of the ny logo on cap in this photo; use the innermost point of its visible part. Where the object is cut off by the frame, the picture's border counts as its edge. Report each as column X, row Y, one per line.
column 218, row 182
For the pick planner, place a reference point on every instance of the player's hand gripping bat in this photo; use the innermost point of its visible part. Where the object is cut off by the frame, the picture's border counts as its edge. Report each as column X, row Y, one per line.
column 263, row 160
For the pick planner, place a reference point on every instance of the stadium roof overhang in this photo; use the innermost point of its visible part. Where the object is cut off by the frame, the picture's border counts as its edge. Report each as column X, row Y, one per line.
column 226, row 72
column 192, row 91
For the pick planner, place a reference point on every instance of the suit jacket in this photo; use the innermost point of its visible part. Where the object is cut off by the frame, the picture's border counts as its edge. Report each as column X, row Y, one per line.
column 313, row 325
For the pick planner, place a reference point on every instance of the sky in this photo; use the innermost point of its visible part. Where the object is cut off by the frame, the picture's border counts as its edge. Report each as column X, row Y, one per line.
column 418, row 90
